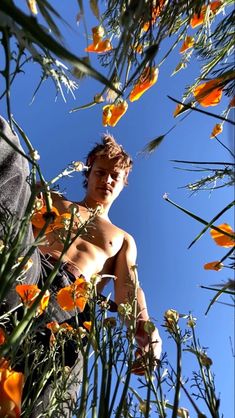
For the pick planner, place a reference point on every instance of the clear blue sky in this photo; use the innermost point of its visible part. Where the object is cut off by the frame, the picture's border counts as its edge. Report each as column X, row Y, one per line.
column 169, row 273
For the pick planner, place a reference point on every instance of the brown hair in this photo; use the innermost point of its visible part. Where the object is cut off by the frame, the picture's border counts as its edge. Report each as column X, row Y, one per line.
column 109, row 149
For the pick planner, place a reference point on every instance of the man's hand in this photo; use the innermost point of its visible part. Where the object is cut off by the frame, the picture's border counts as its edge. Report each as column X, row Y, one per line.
column 149, row 351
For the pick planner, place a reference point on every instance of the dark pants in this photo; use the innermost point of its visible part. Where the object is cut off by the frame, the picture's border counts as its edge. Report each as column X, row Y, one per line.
column 14, row 196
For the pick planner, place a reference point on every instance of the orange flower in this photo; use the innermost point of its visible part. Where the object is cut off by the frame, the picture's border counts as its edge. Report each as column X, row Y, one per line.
column 113, row 113
column 74, row 296
column 98, row 45
column 198, row 19
column 188, row 43
column 87, row 325
column 11, row 387
column 209, row 93
column 39, row 217
column 28, row 294
column 213, row 265
column 218, row 128
column 147, row 79
column 220, row 238
column 2, row 336
column 101, row 47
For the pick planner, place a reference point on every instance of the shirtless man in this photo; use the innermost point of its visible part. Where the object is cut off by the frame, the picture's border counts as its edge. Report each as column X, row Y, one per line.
column 105, row 248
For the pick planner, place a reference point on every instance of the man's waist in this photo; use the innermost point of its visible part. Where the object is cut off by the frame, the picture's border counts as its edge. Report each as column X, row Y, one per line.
column 68, row 266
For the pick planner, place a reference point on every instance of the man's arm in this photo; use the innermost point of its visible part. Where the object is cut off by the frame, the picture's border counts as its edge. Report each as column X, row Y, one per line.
column 126, row 287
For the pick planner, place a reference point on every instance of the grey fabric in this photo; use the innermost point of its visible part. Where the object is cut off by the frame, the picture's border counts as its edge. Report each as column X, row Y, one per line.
column 14, row 196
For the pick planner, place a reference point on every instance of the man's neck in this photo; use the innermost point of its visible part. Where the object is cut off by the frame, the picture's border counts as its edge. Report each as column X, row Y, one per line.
column 92, row 205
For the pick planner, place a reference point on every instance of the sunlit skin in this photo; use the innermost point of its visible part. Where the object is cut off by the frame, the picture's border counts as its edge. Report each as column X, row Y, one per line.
column 105, row 248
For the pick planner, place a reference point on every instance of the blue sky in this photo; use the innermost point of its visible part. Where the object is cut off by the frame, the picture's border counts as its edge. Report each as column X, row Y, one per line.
column 169, row 273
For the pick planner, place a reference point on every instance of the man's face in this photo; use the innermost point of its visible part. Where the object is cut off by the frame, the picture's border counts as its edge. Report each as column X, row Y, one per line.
column 105, row 181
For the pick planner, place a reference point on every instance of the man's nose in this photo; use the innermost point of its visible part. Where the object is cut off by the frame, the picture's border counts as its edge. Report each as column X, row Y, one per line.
column 108, row 178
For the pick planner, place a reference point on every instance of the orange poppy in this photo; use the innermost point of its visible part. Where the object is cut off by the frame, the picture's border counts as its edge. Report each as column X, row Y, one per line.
column 147, row 79
column 113, row 113
column 198, row 19
column 220, row 238
column 2, row 336
column 101, row 47
column 74, row 296
column 29, row 292
column 39, row 217
column 11, row 387
column 188, row 43
column 213, row 265
column 218, row 128
column 209, row 93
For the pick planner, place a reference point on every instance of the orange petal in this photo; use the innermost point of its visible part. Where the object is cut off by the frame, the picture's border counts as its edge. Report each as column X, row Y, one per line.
column 213, row 265
column 188, row 43
column 39, row 217
column 65, row 298
column 198, row 19
column 209, row 93
column 100, row 47
column 13, row 387
column 87, row 325
column 107, row 113
column 80, row 303
column 97, row 34
column 117, row 112
column 27, row 292
column 147, row 79
column 218, row 128
column 220, row 238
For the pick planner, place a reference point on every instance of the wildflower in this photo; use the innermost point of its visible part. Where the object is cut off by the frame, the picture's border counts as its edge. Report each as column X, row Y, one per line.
column 171, row 318
column 32, row 5
column 113, row 113
column 11, row 387
column 110, row 322
column 29, row 292
column 213, row 265
column 99, row 45
column 125, row 309
column 191, row 322
column 147, row 79
column 95, row 279
column 218, row 128
column 87, row 325
column 209, row 93
column 39, row 217
column 34, row 155
column 188, row 43
column 205, row 360
column 149, row 327
column 74, row 296
column 2, row 336
column 220, row 238
column 198, row 18
column 78, row 166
